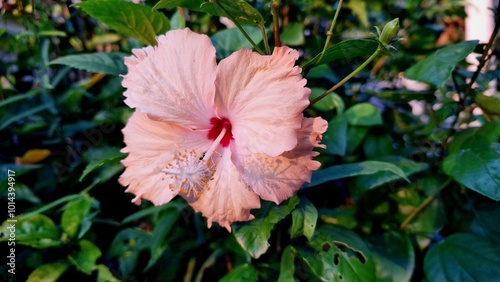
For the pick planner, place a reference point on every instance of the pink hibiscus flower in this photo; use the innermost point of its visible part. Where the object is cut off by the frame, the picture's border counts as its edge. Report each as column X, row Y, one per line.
column 218, row 135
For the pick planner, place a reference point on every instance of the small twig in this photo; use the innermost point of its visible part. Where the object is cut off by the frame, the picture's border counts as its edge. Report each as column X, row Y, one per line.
column 330, row 32
column 484, row 58
column 356, row 71
column 264, row 38
column 276, row 25
column 423, row 205
column 239, row 26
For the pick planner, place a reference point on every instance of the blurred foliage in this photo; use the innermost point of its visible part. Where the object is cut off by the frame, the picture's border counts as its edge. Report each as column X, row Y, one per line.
column 408, row 189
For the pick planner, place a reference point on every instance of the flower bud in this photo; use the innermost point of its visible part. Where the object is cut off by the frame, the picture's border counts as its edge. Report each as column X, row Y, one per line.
column 390, row 30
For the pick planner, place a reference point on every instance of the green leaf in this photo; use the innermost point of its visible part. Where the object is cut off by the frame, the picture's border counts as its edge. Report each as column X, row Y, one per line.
column 305, row 217
column 242, row 273
column 355, row 135
column 376, row 146
column 328, row 103
column 394, row 256
column 127, row 246
column 104, row 275
column 354, row 169
column 23, row 192
column 477, row 168
column 345, row 50
column 287, row 265
column 104, row 157
column 489, row 104
column 37, row 231
column 472, row 137
column 241, row 10
column 73, row 214
column 437, row 68
column 253, row 236
column 462, row 257
column 49, row 272
column 127, row 18
column 8, row 120
column 230, row 40
column 106, row 63
column 408, row 167
column 160, row 232
column 335, row 137
column 85, row 259
column 486, row 218
column 363, row 114
column 340, row 256
column 293, row 34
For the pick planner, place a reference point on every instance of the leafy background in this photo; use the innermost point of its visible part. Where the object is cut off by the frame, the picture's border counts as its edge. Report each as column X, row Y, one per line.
column 410, row 179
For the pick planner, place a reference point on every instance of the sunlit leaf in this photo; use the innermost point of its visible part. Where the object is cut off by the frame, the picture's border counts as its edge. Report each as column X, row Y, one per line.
column 287, row 265
column 49, row 272
column 363, row 114
column 37, row 231
column 86, row 257
column 73, row 214
column 127, row 18
column 230, row 40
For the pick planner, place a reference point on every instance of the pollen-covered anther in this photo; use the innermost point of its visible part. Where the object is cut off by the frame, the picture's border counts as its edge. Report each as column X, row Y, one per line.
column 189, row 173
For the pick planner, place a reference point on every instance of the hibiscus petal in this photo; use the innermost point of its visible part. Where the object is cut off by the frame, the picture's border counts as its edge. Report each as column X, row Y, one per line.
column 228, row 198
column 278, row 178
column 151, row 145
column 174, row 80
column 263, row 97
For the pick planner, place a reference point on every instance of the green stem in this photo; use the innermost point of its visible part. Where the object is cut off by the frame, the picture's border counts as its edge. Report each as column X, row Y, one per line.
column 264, row 38
column 239, row 27
column 49, row 206
column 422, row 206
column 276, row 25
column 356, row 71
column 330, row 32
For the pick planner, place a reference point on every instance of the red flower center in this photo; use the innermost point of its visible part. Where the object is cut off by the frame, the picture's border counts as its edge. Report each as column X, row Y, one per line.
column 217, row 125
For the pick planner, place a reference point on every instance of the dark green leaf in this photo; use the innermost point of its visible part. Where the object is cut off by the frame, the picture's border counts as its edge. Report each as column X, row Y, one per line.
column 376, row 146
column 394, row 256
column 106, row 63
column 462, row 257
column 127, row 246
column 354, row 169
column 355, row 135
column 99, row 158
column 49, row 272
column 287, row 265
column 127, row 18
column 437, row 68
column 363, row 114
column 160, row 232
column 344, row 50
column 340, row 256
column 242, row 273
column 73, row 214
column 23, row 192
column 486, row 218
column 408, row 167
column 85, row 259
column 230, row 40
column 305, row 217
column 475, row 137
column 253, row 236
column 477, row 168
column 8, row 120
column 335, row 137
